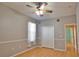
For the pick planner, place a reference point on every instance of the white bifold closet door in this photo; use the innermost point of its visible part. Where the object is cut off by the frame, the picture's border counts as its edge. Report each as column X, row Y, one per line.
column 47, row 36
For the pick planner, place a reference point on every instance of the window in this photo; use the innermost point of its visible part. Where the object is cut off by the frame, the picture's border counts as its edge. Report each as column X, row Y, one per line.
column 31, row 31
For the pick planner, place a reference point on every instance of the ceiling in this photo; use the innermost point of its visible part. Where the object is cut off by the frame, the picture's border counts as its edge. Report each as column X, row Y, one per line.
column 59, row 9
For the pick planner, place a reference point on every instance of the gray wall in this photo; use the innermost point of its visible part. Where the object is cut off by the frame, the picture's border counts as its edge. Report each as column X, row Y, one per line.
column 77, row 17
column 13, row 31
column 59, row 32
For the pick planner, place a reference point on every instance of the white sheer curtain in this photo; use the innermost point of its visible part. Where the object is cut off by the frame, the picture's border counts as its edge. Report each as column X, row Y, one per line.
column 31, row 33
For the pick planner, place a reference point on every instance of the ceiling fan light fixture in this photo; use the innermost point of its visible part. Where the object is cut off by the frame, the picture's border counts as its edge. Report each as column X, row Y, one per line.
column 41, row 12
column 39, row 8
column 37, row 13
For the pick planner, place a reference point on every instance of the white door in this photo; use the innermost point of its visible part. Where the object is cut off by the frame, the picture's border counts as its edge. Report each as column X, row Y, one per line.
column 48, row 36
column 45, row 37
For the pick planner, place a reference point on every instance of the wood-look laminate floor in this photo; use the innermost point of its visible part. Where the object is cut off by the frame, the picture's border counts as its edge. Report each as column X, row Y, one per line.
column 46, row 52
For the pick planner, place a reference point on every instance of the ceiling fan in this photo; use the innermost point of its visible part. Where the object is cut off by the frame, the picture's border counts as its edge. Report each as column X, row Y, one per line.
column 39, row 7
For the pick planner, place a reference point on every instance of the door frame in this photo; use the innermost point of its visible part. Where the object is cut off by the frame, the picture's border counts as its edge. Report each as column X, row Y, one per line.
column 65, row 35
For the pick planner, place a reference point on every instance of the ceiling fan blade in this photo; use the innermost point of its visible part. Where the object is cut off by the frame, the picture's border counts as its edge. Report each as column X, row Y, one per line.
column 29, row 6
column 48, row 11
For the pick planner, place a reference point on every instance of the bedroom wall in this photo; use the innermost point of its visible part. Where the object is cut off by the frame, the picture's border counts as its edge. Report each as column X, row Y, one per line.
column 59, row 31
column 13, row 31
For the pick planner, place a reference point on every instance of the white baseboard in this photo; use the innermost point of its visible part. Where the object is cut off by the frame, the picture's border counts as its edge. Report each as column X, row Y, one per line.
column 23, row 51
column 55, row 48
column 60, row 49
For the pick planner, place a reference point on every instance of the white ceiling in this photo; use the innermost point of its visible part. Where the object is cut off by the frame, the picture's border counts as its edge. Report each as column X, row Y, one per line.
column 59, row 9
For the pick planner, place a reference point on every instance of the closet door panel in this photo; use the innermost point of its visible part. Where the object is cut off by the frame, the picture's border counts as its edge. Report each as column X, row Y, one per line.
column 51, row 37
column 45, row 37
column 48, row 36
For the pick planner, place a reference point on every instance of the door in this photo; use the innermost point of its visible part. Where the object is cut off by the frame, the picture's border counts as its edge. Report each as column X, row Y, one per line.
column 48, row 36
column 71, row 38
